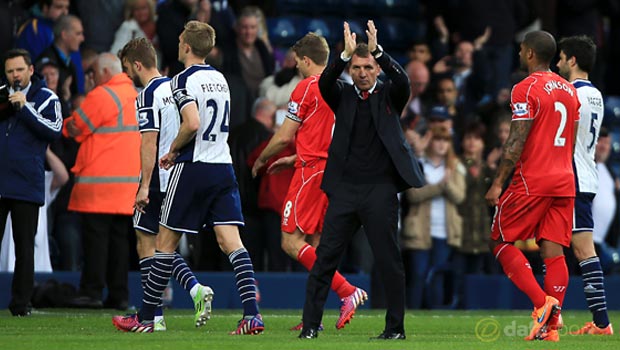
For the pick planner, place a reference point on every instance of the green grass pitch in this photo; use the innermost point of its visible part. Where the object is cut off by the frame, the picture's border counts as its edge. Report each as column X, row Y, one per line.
column 64, row 329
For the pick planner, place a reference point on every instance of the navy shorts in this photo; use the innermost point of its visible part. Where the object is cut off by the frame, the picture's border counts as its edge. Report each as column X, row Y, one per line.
column 201, row 195
column 149, row 220
column 582, row 217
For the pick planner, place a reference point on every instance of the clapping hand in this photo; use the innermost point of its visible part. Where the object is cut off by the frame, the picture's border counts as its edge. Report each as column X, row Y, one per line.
column 349, row 41
column 371, row 33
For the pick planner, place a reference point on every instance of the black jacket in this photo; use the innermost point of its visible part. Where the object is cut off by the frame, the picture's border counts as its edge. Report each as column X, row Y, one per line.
column 387, row 102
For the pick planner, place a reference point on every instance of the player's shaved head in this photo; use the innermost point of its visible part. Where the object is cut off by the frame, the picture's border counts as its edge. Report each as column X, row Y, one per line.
column 542, row 43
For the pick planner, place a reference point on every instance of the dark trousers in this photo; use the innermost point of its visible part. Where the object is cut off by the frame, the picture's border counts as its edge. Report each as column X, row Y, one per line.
column 24, row 217
column 376, row 208
column 106, row 256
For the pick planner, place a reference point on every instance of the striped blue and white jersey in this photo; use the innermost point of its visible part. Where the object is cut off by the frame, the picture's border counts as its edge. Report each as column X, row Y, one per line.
column 157, row 112
column 591, row 118
column 205, row 86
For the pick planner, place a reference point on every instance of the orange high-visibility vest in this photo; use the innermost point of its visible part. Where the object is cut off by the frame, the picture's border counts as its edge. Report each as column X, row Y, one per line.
column 107, row 168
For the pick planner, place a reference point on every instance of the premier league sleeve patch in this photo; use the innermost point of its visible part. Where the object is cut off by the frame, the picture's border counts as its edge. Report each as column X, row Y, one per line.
column 143, row 119
column 520, row 109
column 293, row 107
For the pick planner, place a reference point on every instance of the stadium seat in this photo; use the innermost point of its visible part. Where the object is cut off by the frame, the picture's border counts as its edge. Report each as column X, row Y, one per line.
column 396, row 33
column 398, row 8
column 361, row 8
column 282, row 31
column 318, row 25
column 293, row 7
column 612, row 112
column 357, row 26
column 315, row 8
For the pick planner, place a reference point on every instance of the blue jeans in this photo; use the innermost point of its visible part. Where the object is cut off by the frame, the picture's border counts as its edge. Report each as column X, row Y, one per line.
column 420, row 263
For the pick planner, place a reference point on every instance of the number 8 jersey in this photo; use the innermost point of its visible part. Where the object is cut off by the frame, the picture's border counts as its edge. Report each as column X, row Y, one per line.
column 208, row 89
column 546, row 164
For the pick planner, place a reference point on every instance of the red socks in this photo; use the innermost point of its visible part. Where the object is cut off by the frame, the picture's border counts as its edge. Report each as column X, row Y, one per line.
column 307, row 256
column 556, row 277
column 518, row 270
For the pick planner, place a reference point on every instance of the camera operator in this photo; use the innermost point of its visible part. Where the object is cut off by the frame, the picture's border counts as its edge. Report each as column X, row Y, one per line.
column 35, row 120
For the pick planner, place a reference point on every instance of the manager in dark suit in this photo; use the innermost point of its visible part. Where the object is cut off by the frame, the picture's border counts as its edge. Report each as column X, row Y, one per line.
column 368, row 163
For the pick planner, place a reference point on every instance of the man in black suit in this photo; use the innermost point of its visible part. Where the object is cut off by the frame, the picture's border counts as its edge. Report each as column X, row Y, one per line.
column 368, row 163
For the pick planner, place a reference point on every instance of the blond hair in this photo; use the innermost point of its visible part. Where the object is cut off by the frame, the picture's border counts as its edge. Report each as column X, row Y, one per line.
column 200, row 37
column 131, row 4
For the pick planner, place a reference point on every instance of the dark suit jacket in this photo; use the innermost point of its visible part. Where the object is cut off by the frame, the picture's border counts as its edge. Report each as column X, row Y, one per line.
column 386, row 102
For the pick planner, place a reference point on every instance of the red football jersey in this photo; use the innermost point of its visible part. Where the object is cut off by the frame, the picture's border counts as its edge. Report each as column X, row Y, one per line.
column 307, row 107
column 546, row 164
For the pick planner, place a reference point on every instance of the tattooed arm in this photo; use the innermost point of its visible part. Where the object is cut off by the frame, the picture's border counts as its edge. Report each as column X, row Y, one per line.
column 519, row 129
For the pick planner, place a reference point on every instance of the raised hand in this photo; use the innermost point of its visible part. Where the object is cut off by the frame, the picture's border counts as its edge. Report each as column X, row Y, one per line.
column 349, row 41
column 371, row 33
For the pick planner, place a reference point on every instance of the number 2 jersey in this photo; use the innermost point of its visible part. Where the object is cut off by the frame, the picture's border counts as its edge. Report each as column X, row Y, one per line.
column 207, row 88
column 545, row 167
column 591, row 117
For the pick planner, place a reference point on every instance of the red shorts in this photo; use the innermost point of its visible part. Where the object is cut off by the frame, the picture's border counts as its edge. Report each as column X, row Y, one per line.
column 521, row 217
column 305, row 203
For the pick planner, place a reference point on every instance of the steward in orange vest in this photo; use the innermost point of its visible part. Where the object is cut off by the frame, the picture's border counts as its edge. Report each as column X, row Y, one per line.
column 107, row 167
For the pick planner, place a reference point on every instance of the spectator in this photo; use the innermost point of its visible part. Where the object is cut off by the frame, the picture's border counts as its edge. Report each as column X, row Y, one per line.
column 419, row 78
column 37, row 33
column 101, row 19
column 171, row 18
column 106, row 180
column 271, row 194
column 604, row 205
column 12, row 14
column 51, row 74
column 447, row 97
column 25, row 133
column 248, row 56
column 473, row 256
column 468, row 68
column 279, row 86
column 420, row 51
column 139, row 23
column 68, row 35
column 433, row 226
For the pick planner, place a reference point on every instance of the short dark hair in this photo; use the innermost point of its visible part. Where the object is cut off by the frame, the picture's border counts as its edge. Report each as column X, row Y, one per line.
column 314, row 47
column 542, row 43
column 476, row 129
column 63, row 23
column 139, row 50
column 603, row 132
column 582, row 48
column 361, row 50
column 18, row 53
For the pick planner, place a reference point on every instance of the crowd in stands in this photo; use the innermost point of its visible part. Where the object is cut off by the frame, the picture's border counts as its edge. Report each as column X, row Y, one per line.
column 462, row 61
